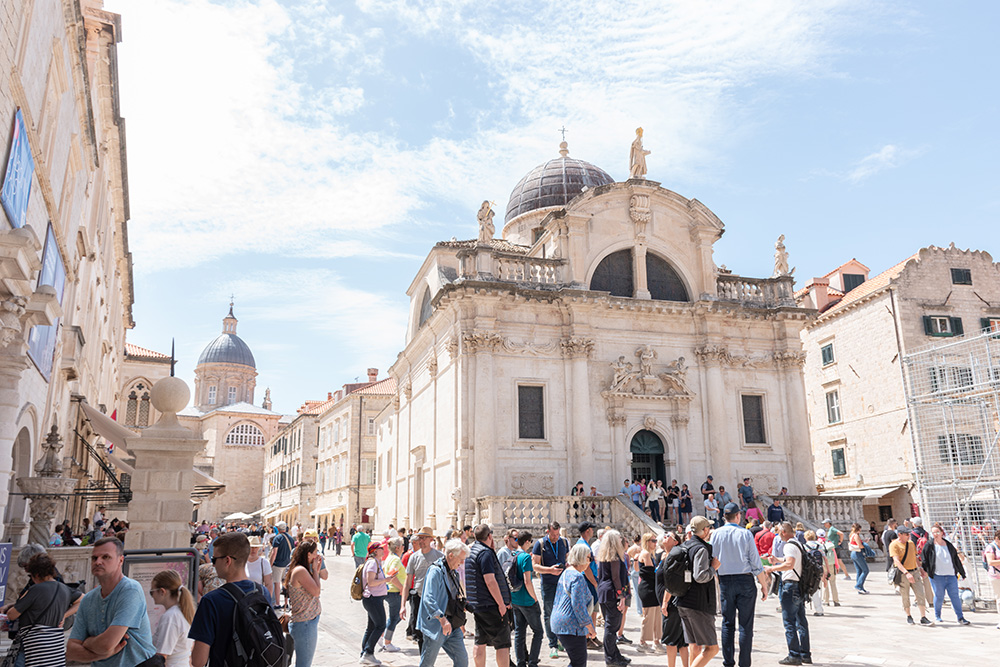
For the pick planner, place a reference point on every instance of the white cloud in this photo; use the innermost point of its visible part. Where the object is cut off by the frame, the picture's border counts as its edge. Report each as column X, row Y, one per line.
column 887, row 157
column 228, row 154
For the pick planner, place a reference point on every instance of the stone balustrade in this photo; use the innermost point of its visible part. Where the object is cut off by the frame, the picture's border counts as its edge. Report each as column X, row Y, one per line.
column 812, row 510
column 763, row 292
column 534, row 513
column 482, row 263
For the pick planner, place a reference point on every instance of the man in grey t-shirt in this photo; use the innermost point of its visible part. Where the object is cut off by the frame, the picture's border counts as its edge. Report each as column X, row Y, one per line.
column 421, row 559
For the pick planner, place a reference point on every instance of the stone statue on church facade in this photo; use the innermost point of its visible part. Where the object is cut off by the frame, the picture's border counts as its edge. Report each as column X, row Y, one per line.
column 637, row 157
column 485, row 217
column 781, row 259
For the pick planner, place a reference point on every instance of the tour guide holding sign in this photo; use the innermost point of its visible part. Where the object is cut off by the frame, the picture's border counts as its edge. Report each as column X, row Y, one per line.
column 111, row 628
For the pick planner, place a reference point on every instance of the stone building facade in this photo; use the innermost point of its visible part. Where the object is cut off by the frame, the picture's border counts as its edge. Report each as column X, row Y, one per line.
column 859, row 427
column 595, row 341
column 65, row 269
column 289, row 488
column 141, row 368
column 235, row 429
column 346, row 469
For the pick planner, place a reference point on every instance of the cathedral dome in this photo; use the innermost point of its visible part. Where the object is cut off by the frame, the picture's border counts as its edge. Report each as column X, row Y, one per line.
column 554, row 183
column 228, row 348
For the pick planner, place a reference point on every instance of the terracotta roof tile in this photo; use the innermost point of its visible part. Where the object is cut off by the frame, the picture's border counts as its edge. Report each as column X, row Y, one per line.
column 134, row 351
column 869, row 287
column 496, row 244
column 385, row 387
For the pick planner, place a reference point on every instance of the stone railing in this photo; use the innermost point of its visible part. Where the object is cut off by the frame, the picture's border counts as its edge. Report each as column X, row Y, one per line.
column 514, row 269
column 534, row 513
column 73, row 564
column 812, row 510
column 766, row 292
column 482, row 263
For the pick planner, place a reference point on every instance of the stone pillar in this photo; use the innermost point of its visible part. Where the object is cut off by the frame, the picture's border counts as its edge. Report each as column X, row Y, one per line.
column 680, row 423
column 641, row 280
column 578, row 350
column 164, row 473
column 711, row 357
column 800, row 456
column 13, row 362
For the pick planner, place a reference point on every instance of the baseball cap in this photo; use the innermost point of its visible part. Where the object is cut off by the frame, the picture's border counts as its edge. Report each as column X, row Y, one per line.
column 828, row 521
column 731, row 508
column 699, row 523
column 820, row 533
column 710, row 477
column 585, row 526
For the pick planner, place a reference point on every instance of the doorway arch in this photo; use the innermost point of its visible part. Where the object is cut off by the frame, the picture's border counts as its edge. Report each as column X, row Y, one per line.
column 647, row 456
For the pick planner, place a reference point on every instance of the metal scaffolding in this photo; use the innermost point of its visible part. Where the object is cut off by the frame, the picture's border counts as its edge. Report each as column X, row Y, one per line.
column 953, row 398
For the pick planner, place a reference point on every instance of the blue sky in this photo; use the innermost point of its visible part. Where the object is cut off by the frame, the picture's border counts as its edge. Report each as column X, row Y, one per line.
column 305, row 155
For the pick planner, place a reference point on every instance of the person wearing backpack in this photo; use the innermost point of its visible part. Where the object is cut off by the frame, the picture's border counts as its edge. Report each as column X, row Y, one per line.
column 793, row 608
column 697, row 604
column 739, row 564
column 671, row 629
column 376, row 587
column 527, row 611
column 240, row 610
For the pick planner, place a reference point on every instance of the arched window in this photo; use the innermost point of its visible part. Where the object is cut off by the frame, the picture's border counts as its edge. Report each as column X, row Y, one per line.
column 143, row 419
column 614, row 274
column 137, row 410
column 245, row 434
column 131, row 408
column 425, row 308
column 663, row 282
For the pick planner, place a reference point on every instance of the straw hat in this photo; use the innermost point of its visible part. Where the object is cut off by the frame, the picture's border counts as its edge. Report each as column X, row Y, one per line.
column 426, row 531
column 255, row 542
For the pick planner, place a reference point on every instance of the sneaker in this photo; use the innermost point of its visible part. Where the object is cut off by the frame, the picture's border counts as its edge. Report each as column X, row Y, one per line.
column 789, row 660
column 926, row 621
column 909, row 619
column 817, row 613
column 553, row 653
column 963, row 621
column 622, row 639
column 644, row 648
column 807, row 661
column 369, row 659
column 659, row 647
column 559, row 647
column 390, row 648
column 938, row 620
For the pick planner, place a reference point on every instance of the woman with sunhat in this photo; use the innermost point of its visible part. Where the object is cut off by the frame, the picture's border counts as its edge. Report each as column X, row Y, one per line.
column 376, row 587
column 258, row 567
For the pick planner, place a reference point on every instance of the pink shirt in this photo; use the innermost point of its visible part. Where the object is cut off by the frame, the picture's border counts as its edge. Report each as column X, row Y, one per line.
column 373, row 566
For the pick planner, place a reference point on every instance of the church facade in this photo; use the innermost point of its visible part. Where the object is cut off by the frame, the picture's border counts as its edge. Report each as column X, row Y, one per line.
column 595, row 341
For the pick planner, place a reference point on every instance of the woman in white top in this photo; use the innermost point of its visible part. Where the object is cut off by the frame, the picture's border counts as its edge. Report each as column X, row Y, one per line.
column 170, row 639
column 258, row 567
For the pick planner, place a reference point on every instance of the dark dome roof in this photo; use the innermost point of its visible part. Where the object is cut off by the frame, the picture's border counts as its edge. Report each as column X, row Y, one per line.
column 554, row 183
column 227, row 349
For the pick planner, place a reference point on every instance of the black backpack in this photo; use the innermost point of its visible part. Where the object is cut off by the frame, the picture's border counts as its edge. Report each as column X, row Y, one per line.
column 515, row 578
column 675, row 571
column 811, row 578
column 258, row 640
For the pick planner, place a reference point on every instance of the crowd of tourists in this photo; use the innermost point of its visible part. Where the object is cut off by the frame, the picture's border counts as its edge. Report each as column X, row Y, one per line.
column 522, row 591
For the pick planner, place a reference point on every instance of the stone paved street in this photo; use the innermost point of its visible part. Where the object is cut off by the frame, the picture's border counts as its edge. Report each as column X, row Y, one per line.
column 865, row 630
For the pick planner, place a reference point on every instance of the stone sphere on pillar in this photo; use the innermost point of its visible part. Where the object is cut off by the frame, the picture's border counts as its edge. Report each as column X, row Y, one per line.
column 170, row 395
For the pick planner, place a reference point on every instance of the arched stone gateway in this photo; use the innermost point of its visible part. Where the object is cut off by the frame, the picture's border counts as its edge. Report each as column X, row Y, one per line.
column 647, row 456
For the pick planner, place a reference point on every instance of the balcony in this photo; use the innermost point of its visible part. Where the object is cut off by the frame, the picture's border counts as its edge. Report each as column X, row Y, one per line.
column 756, row 292
column 483, row 263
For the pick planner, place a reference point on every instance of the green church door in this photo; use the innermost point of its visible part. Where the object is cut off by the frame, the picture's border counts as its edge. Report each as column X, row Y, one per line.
column 647, row 456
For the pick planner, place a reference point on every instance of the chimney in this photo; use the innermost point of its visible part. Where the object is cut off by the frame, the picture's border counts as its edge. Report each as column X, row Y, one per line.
column 373, row 375
column 818, row 293
column 329, row 395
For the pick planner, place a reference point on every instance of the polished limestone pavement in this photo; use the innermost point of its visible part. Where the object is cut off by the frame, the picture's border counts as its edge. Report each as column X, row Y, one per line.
column 865, row 630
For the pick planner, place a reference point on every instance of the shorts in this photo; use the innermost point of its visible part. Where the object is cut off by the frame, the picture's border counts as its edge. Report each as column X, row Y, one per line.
column 699, row 627
column 492, row 629
column 277, row 576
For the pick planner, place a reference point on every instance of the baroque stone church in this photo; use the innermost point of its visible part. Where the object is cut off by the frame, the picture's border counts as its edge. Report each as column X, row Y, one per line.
column 595, row 340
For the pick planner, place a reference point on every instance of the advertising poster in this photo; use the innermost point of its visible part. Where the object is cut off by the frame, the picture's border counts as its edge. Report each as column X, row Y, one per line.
column 5, row 553
column 142, row 567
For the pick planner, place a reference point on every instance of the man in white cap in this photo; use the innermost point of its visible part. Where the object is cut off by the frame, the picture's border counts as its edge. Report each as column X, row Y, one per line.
column 359, row 543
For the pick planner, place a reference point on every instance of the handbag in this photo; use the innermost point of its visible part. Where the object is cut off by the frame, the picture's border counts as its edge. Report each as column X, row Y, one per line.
column 897, row 578
column 156, row 661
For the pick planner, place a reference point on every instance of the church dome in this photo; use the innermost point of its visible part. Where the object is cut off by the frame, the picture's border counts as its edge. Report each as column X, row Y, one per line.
column 554, row 183
column 228, row 348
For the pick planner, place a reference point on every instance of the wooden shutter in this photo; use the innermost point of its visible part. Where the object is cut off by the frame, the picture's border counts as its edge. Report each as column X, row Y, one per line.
column 928, row 326
column 956, row 326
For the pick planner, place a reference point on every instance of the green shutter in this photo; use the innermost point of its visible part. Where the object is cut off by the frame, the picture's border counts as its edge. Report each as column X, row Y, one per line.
column 984, row 323
column 927, row 325
column 956, row 326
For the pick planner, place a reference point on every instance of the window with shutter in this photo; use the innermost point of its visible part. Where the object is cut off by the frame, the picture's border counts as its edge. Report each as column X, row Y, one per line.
column 827, row 354
column 961, row 276
column 530, row 412
column 839, row 462
column 935, row 325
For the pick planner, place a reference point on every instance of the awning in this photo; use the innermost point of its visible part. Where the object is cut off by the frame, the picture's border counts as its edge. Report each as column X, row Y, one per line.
column 205, row 486
column 107, row 427
column 868, row 495
column 119, row 463
column 321, row 511
column 258, row 512
column 278, row 510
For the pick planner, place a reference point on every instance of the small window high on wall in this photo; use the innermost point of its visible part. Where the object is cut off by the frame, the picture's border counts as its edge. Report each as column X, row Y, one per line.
column 530, row 412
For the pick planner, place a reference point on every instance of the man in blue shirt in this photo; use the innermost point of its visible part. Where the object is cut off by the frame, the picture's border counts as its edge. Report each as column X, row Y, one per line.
column 111, row 628
column 212, row 627
column 281, row 556
column 739, row 563
column 635, row 491
column 774, row 512
column 590, row 574
column 549, row 560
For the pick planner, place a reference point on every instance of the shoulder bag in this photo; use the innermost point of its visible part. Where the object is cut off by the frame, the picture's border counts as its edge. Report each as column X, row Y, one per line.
column 897, row 577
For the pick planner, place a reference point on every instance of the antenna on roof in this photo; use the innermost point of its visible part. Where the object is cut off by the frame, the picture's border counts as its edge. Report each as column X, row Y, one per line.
column 173, row 360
